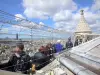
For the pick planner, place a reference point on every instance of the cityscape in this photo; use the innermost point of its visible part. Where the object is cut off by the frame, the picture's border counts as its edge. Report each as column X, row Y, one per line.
column 52, row 37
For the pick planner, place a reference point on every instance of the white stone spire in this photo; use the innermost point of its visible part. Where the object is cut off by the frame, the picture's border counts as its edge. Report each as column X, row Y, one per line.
column 83, row 27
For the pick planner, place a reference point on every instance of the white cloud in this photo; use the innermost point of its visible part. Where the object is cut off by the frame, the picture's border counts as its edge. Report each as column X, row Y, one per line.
column 65, row 26
column 19, row 28
column 14, row 28
column 96, row 5
column 23, row 24
column 91, row 17
column 41, row 23
column 19, row 17
column 61, row 12
column 71, row 23
column 63, row 15
column 44, row 9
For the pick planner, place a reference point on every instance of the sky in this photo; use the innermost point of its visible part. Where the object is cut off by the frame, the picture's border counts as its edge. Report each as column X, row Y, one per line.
column 59, row 14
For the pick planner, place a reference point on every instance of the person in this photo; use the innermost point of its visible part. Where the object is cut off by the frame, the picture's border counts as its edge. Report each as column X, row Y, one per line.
column 69, row 44
column 40, row 60
column 43, row 50
column 49, row 48
column 80, row 41
column 76, row 42
column 58, row 46
column 50, row 51
column 53, row 48
column 19, row 61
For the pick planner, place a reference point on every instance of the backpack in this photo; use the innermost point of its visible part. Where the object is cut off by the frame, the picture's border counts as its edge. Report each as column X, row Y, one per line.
column 40, row 60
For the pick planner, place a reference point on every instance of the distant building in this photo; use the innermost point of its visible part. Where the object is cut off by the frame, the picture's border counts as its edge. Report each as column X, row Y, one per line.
column 17, row 36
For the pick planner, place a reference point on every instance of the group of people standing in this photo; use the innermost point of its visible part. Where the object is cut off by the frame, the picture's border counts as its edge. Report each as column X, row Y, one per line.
column 59, row 47
column 56, row 47
column 20, row 61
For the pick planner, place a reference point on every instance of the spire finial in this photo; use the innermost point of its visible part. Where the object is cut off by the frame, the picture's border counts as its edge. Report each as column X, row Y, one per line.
column 82, row 12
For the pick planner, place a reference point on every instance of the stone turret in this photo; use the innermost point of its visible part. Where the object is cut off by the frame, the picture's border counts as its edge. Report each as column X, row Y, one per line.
column 82, row 30
column 83, row 26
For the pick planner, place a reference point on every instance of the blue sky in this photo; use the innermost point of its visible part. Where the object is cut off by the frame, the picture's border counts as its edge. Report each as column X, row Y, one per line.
column 60, row 14
column 12, row 6
column 84, row 3
column 16, row 7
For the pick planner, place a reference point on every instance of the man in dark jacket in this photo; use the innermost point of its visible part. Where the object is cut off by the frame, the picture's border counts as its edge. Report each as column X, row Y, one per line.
column 76, row 42
column 69, row 44
column 19, row 61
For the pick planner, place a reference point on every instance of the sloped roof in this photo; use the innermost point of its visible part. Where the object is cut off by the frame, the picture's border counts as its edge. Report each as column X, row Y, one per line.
column 83, row 25
column 89, row 49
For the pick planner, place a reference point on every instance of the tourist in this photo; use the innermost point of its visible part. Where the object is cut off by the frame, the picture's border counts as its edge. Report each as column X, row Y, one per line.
column 58, row 46
column 40, row 60
column 53, row 48
column 19, row 61
column 69, row 44
column 76, row 42
column 80, row 41
column 43, row 50
column 49, row 49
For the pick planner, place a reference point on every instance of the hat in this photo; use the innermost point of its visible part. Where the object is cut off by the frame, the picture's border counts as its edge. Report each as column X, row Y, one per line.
column 69, row 38
column 58, row 41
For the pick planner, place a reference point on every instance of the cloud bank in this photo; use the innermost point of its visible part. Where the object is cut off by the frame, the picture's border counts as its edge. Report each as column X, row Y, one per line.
column 64, row 13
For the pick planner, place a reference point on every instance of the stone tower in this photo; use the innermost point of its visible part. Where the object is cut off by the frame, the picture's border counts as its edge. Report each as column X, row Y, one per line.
column 82, row 29
column 83, row 26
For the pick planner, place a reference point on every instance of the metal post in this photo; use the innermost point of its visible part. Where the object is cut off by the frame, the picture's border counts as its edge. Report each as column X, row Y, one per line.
column 31, row 37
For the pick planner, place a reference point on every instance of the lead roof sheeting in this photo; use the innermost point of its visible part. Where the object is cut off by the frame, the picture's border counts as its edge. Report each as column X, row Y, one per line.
column 88, row 49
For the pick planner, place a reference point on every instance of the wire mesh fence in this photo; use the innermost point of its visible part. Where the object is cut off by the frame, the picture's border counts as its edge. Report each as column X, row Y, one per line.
column 11, row 25
column 14, row 29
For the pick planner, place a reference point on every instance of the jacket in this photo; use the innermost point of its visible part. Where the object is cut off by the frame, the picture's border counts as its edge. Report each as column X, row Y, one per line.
column 18, row 62
column 58, row 47
column 69, row 44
